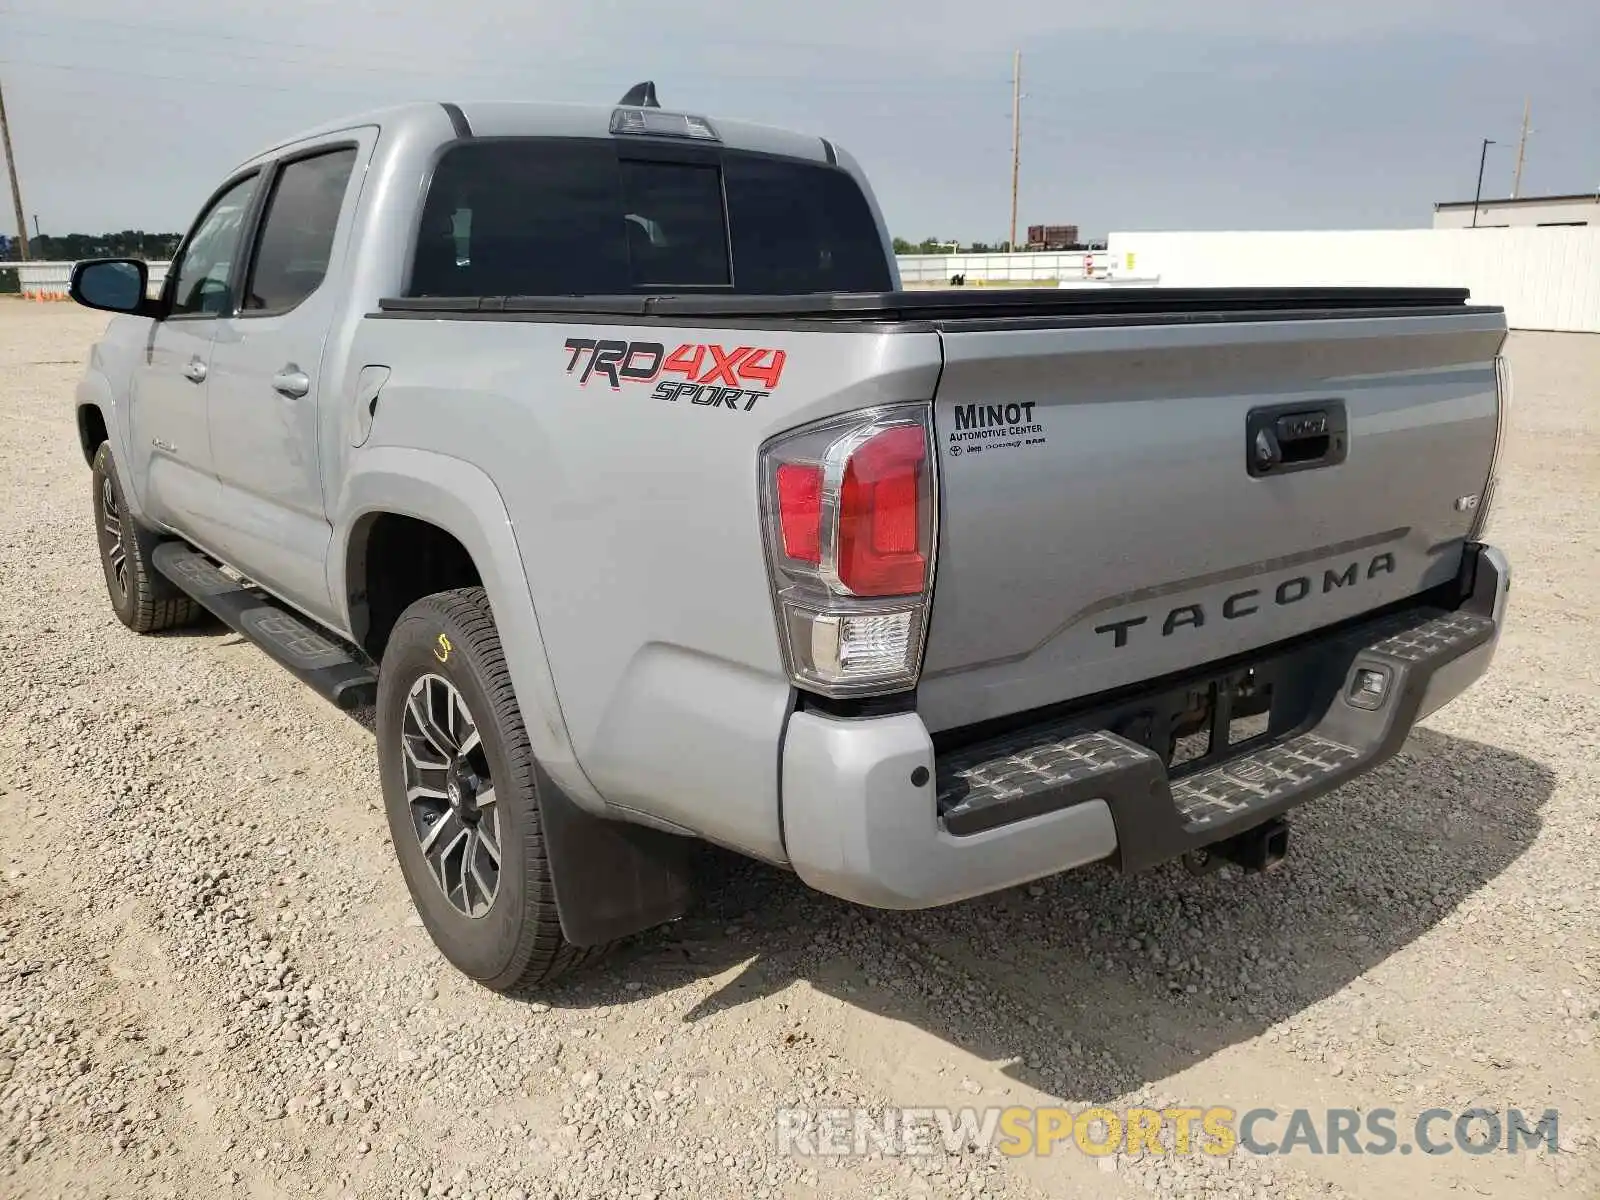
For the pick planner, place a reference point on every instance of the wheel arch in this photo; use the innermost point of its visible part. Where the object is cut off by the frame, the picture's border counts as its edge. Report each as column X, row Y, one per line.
column 393, row 560
column 100, row 419
column 93, row 431
column 449, row 512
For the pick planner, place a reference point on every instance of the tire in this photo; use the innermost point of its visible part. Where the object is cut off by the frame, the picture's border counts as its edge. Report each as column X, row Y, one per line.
column 142, row 598
column 498, row 927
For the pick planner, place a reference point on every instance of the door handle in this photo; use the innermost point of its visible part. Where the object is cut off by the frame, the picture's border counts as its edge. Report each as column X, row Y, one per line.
column 1287, row 438
column 194, row 371
column 291, row 382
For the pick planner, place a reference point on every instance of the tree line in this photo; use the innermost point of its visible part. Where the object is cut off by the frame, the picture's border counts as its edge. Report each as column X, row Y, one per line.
column 74, row 247
column 71, row 247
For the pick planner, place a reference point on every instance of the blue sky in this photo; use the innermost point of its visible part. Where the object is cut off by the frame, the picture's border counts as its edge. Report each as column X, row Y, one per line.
column 1138, row 114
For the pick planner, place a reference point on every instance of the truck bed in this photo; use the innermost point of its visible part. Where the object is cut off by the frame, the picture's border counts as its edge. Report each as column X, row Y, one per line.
column 1099, row 522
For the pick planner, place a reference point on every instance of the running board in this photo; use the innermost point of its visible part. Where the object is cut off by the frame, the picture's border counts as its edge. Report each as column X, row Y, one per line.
column 321, row 662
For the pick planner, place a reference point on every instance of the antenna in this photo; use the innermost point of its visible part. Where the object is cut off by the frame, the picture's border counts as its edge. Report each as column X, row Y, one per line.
column 641, row 95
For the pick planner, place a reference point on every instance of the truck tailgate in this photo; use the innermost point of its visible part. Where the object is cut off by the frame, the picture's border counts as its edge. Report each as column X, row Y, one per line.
column 1100, row 521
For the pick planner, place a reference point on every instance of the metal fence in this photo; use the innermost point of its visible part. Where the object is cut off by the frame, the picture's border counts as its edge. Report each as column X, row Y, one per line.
column 49, row 280
column 1059, row 266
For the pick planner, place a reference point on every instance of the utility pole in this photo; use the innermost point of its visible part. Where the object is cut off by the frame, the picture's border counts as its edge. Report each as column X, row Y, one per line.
column 1016, row 141
column 1522, row 148
column 16, row 184
column 1478, row 195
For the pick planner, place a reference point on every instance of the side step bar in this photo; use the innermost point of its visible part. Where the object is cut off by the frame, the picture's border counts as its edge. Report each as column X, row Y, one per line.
column 327, row 666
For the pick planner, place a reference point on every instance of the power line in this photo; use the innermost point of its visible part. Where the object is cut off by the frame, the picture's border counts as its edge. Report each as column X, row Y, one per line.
column 473, row 62
column 176, row 29
column 172, row 30
column 233, row 83
column 389, row 68
column 770, row 82
column 85, row 90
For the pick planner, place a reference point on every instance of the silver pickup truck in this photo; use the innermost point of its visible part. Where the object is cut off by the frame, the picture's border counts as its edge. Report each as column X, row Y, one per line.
column 598, row 449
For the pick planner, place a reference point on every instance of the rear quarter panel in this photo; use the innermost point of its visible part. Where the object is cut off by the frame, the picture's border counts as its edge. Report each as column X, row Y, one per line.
column 637, row 520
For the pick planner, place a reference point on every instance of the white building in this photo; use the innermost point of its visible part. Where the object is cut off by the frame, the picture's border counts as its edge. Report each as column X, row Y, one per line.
column 1525, row 211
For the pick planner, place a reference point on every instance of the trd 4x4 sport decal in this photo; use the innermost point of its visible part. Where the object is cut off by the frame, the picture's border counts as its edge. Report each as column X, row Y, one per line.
column 711, row 375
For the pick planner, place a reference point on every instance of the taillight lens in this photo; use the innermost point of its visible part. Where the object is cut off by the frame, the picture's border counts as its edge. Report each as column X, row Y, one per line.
column 1502, row 388
column 800, row 511
column 880, row 542
column 850, row 506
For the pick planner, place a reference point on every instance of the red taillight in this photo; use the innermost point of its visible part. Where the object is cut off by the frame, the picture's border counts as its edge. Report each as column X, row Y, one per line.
column 849, row 506
column 800, row 511
column 880, row 514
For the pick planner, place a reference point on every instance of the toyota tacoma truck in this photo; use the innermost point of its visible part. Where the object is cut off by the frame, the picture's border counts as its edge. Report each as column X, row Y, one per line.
column 599, row 451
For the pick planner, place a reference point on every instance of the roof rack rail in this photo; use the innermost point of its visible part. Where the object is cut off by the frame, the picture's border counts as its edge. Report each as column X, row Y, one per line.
column 641, row 95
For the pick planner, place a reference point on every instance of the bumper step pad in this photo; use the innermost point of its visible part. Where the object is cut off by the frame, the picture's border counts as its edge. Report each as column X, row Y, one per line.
column 1059, row 763
column 1438, row 640
column 1257, row 780
column 995, row 783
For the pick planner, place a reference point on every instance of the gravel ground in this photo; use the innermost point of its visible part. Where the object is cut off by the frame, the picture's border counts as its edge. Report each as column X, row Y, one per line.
column 211, row 982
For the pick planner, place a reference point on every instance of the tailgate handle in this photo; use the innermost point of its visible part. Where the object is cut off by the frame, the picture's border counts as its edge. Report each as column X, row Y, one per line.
column 1288, row 438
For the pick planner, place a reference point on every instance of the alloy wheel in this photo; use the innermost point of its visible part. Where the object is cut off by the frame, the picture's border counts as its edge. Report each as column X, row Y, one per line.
column 451, row 796
column 111, row 521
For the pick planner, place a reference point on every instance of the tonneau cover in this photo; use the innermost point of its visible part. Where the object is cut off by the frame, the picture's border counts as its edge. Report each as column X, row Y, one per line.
column 934, row 307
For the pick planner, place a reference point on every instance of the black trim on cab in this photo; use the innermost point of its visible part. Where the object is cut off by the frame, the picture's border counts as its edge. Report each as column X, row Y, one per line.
column 458, row 120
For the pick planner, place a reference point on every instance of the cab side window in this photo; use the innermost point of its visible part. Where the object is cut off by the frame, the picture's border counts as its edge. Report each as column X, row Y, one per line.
column 201, row 286
column 296, row 240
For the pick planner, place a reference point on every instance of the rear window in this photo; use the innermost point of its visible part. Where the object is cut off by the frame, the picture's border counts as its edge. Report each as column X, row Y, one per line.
column 564, row 217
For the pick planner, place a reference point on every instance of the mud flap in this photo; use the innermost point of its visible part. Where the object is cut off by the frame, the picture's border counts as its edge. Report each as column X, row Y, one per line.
column 611, row 878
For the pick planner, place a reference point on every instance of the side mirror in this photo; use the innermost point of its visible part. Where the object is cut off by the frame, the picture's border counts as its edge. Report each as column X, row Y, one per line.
column 118, row 285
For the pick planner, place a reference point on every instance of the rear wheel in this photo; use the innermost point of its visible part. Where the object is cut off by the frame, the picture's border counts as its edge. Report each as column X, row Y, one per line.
column 460, row 793
column 141, row 597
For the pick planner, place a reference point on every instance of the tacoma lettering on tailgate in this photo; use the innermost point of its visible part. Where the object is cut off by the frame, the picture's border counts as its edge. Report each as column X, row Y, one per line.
column 1248, row 602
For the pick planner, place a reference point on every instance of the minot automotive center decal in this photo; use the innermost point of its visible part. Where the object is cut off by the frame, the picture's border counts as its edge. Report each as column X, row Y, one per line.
column 712, row 376
column 981, row 428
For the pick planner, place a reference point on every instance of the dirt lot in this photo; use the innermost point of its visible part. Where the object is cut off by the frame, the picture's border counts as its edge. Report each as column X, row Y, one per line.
column 211, row 983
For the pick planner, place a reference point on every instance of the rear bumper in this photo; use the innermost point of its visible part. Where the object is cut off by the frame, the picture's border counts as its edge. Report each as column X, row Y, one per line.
column 873, row 813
